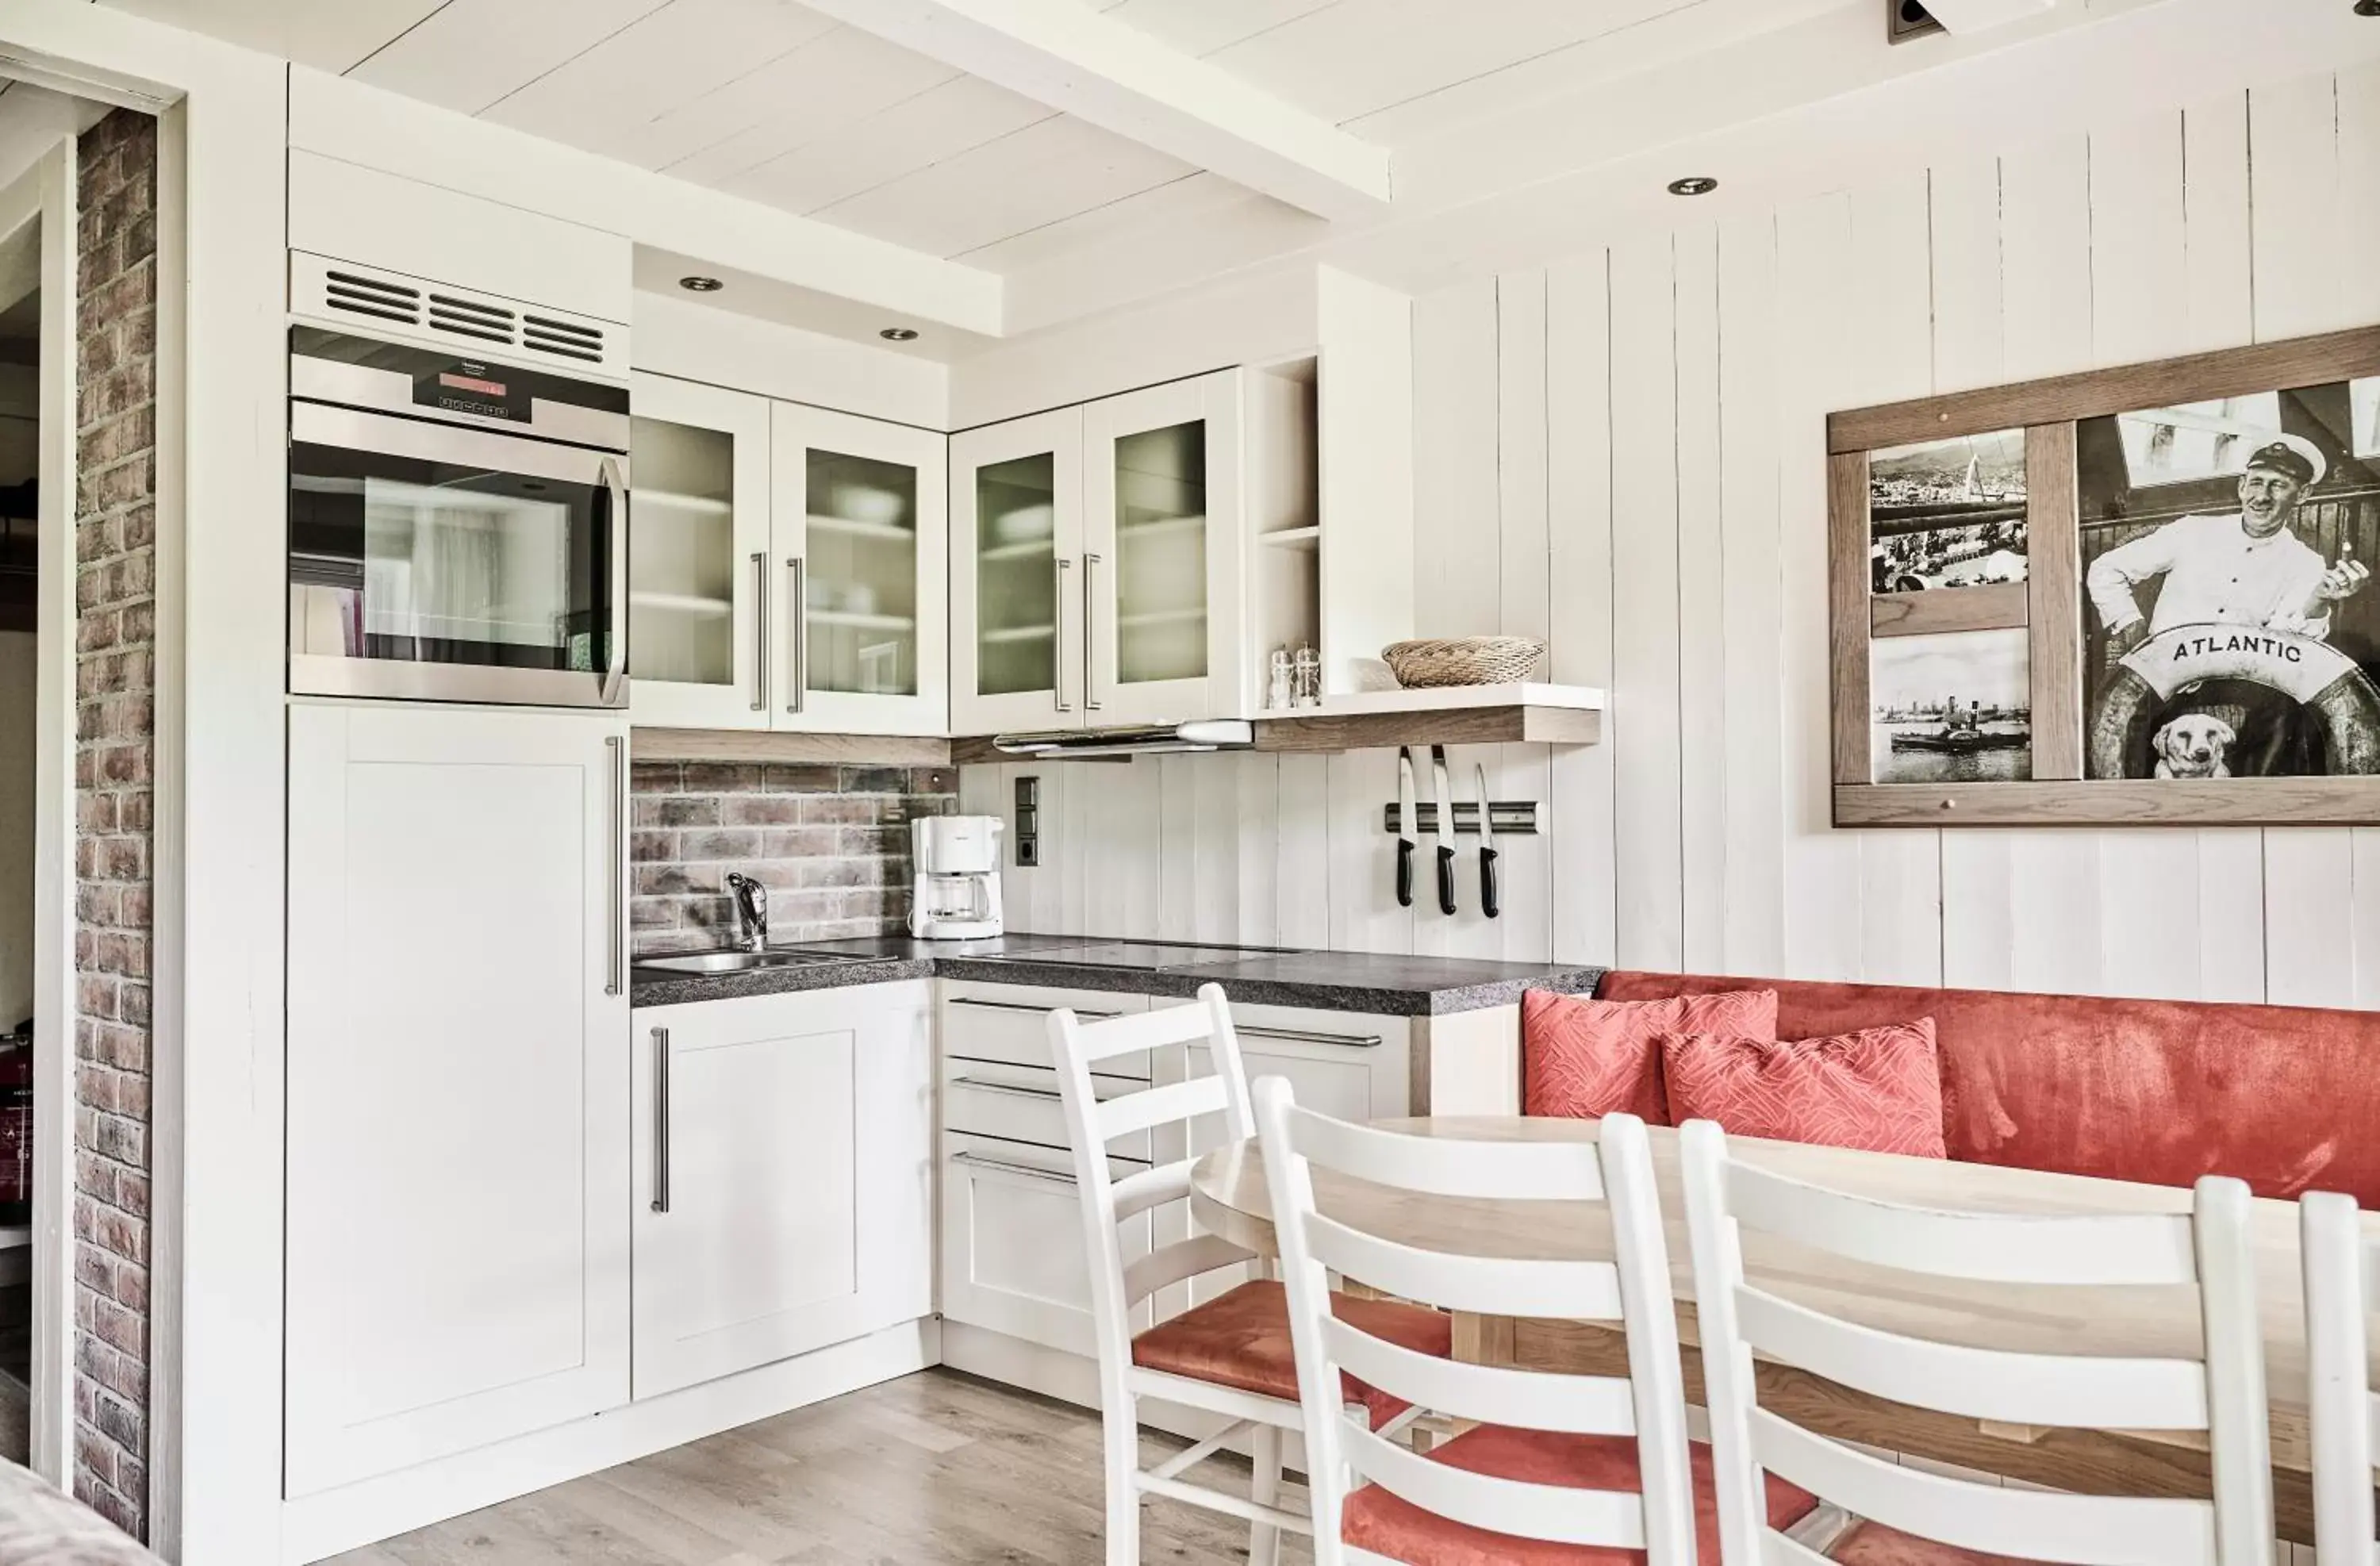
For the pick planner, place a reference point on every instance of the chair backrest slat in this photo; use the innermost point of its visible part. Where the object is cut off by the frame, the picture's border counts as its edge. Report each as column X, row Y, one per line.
column 2096, row 1249
column 1168, row 1265
column 2223, row 1393
column 1634, row 1288
column 2077, row 1530
column 1144, row 1189
column 1435, row 1166
column 1168, row 1105
column 1133, row 1031
column 1613, row 1518
column 2016, row 1389
column 1584, row 1291
column 2344, row 1417
column 1491, row 1395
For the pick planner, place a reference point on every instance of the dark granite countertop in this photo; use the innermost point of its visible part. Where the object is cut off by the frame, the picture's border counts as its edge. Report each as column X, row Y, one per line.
column 1343, row 981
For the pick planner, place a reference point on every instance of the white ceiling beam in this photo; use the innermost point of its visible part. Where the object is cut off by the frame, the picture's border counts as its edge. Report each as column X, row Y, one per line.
column 1073, row 58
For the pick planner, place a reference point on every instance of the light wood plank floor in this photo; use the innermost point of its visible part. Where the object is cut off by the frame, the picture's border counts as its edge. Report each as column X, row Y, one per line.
column 936, row 1469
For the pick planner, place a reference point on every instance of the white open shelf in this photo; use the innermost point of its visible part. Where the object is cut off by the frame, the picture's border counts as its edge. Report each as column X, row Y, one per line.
column 671, row 500
column 1446, row 698
column 853, row 528
column 1292, row 538
column 1018, row 634
column 861, row 622
column 1022, row 549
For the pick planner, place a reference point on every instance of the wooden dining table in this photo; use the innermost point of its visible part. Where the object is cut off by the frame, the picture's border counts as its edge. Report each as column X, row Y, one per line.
column 1227, row 1197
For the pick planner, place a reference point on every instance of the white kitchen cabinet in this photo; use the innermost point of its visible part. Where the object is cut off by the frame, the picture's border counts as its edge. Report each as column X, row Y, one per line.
column 783, row 1177
column 1016, row 604
column 1012, row 1224
column 457, row 1068
column 1162, row 546
column 700, row 552
column 861, row 536
column 1098, row 553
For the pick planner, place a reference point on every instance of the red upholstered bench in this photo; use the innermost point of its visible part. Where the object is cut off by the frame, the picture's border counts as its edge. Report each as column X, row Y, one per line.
column 2286, row 1097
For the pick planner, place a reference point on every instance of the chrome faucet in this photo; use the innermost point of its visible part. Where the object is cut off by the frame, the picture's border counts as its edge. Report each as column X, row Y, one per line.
column 751, row 912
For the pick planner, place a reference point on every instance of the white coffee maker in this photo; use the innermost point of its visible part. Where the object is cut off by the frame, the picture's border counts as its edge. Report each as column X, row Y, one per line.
column 957, row 864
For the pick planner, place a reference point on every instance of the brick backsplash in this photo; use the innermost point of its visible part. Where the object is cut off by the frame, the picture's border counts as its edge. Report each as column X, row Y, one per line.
column 831, row 843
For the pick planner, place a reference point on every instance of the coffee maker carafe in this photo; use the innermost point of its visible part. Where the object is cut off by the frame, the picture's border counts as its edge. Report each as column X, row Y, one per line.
column 957, row 892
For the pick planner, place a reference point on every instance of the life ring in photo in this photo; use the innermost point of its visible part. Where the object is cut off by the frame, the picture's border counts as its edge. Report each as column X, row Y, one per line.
column 2179, row 704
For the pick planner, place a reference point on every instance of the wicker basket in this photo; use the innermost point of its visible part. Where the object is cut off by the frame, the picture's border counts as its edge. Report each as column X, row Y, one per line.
column 1464, row 661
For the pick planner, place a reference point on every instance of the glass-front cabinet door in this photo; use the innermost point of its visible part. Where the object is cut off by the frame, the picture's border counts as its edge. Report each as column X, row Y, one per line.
column 1162, row 552
column 862, row 575
column 698, row 555
column 1017, row 628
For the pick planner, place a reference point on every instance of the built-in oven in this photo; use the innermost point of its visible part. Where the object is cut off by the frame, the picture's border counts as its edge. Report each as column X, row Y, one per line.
column 458, row 526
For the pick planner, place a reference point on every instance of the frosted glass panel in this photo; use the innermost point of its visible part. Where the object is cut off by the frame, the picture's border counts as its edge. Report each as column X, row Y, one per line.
column 1016, row 571
column 682, row 579
column 861, row 562
column 1161, row 521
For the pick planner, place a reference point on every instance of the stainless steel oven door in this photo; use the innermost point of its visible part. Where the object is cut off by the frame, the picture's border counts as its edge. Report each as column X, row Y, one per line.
column 444, row 564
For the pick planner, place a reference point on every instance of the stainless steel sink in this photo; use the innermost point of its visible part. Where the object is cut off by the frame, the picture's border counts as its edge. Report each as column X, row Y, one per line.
column 738, row 961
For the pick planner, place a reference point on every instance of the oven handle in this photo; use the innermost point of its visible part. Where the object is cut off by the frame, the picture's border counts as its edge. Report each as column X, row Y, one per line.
column 353, row 429
column 613, row 691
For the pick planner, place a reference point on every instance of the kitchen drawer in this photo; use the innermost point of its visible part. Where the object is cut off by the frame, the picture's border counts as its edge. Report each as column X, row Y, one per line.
column 1013, row 1256
column 1022, row 1104
column 1010, row 1024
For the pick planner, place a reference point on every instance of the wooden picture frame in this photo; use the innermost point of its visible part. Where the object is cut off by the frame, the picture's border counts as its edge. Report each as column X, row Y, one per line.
column 2073, row 777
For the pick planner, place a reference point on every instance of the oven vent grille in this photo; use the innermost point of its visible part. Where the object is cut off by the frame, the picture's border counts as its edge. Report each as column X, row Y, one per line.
column 330, row 290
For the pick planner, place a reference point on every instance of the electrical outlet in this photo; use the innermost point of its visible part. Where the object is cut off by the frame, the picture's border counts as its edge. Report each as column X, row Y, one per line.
column 1908, row 19
column 1026, row 834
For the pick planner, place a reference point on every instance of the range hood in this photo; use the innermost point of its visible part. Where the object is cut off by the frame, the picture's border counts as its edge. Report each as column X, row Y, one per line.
column 1149, row 739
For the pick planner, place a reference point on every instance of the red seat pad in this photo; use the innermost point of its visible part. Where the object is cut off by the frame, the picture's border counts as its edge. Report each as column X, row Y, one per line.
column 2285, row 1098
column 1376, row 1520
column 1241, row 1340
column 1873, row 1544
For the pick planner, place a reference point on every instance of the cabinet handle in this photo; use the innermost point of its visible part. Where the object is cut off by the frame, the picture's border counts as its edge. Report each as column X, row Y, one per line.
column 1018, row 1006
column 1001, row 1166
column 800, row 664
column 1090, row 635
column 660, row 1120
column 1058, row 633
column 1300, row 1036
column 980, row 1086
column 761, row 603
column 615, row 953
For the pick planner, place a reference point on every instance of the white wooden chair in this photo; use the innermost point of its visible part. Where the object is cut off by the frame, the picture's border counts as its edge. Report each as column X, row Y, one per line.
column 1919, row 1519
column 1600, row 1464
column 1229, row 1356
column 2340, row 1270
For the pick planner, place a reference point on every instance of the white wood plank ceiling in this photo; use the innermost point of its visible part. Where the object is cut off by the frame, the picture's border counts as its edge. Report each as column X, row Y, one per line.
column 775, row 100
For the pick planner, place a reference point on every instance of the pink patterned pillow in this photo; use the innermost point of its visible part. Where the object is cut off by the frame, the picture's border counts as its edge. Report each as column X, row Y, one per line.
column 1582, row 1058
column 1879, row 1089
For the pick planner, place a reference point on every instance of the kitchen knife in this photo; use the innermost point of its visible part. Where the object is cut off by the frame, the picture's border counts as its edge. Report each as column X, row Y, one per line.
column 1407, row 832
column 1445, row 828
column 1491, row 895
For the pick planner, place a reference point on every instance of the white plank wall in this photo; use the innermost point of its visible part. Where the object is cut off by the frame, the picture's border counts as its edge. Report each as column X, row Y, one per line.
column 1623, row 452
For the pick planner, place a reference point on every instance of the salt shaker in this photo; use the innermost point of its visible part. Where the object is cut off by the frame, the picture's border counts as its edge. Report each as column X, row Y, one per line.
column 1278, row 694
column 1308, row 676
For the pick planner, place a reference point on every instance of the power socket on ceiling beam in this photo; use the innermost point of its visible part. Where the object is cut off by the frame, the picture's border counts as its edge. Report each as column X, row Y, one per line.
column 1908, row 19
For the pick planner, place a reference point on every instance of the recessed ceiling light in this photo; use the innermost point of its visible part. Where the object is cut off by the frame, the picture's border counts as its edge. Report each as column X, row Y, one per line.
column 2367, row 7
column 899, row 333
column 700, row 285
column 1693, row 185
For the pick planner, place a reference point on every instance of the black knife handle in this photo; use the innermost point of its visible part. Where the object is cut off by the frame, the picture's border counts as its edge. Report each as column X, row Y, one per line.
column 1491, row 900
column 1446, row 881
column 1404, row 873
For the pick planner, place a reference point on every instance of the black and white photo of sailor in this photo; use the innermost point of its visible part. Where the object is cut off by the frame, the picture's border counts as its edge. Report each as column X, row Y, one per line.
column 2226, row 546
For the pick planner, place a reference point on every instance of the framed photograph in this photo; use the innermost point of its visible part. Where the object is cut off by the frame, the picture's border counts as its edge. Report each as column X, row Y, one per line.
column 1952, row 708
column 2226, row 547
column 1947, row 513
column 2133, row 596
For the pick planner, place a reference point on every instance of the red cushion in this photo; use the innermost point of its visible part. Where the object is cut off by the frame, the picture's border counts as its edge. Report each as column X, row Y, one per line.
column 1873, row 1544
column 2163, row 1091
column 1878, row 1089
column 1585, row 1057
column 1241, row 1340
column 1377, row 1520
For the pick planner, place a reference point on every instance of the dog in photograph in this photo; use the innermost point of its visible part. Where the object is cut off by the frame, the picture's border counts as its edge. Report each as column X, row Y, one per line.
column 2193, row 746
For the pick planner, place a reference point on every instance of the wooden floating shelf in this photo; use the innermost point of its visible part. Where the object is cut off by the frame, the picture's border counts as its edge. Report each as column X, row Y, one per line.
column 764, row 745
column 1522, row 712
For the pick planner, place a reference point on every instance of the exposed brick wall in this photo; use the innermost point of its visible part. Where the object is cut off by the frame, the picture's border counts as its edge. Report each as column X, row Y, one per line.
column 831, row 843
column 114, row 726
